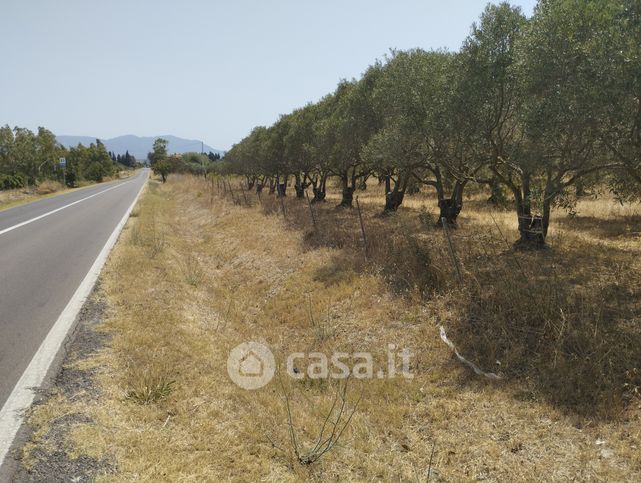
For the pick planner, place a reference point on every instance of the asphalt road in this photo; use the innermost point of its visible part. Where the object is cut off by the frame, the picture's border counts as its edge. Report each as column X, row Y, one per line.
column 43, row 261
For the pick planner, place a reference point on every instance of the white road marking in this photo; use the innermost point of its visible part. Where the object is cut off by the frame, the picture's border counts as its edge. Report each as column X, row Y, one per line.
column 11, row 414
column 40, row 217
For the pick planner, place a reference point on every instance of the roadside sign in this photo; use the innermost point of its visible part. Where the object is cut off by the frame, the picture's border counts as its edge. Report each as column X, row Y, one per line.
column 63, row 162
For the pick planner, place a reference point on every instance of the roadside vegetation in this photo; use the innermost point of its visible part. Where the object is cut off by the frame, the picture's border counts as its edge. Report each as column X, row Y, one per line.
column 195, row 163
column 28, row 159
column 485, row 200
column 539, row 110
column 30, row 168
column 201, row 268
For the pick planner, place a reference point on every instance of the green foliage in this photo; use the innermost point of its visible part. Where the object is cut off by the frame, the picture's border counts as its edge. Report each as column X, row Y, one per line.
column 126, row 159
column 12, row 181
column 159, row 151
column 32, row 156
column 72, row 175
column 159, row 161
column 162, row 168
column 530, row 105
column 95, row 172
column 618, row 54
column 91, row 163
column 195, row 163
column 27, row 158
column 404, row 97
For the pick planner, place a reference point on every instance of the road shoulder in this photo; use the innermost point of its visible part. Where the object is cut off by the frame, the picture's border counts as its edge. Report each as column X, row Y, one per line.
column 40, row 451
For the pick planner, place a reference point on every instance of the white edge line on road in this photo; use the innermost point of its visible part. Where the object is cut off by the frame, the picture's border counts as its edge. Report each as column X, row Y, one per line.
column 40, row 217
column 11, row 414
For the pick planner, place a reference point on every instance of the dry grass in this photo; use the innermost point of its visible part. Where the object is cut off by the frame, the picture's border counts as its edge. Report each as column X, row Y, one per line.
column 562, row 322
column 17, row 197
column 46, row 189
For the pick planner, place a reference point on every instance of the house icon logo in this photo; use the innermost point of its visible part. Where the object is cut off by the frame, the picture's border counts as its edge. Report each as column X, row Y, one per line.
column 251, row 365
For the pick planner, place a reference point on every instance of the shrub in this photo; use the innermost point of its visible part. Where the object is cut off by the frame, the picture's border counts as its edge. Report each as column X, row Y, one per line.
column 95, row 172
column 12, row 181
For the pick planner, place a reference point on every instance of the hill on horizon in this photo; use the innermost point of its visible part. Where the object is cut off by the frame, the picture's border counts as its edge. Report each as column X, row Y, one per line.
column 139, row 146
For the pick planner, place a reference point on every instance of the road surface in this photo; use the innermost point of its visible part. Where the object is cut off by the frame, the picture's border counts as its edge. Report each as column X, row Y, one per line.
column 47, row 249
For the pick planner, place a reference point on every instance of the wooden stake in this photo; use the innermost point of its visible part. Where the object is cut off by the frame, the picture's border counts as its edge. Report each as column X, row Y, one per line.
column 360, row 219
column 311, row 210
column 282, row 199
column 451, row 249
column 231, row 191
column 242, row 188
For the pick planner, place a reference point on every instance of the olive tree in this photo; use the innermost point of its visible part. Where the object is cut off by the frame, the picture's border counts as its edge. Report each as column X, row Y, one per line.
column 322, row 141
column 158, row 158
column 559, row 111
column 298, row 149
column 353, row 121
column 619, row 54
column 400, row 147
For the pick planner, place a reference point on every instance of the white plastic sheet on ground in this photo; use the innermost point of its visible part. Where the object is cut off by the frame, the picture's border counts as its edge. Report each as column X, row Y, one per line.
column 474, row 367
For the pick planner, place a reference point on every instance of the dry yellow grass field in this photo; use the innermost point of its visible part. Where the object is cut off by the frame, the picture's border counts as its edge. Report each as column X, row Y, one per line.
column 196, row 274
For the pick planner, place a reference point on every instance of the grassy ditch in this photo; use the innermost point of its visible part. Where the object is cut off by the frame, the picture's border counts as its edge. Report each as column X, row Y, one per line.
column 199, row 271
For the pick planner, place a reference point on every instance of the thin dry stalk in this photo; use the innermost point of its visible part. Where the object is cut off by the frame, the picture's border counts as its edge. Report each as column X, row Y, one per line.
column 322, row 329
column 360, row 219
column 311, row 210
column 451, row 250
column 242, row 188
column 281, row 197
column 518, row 264
column 334, row 424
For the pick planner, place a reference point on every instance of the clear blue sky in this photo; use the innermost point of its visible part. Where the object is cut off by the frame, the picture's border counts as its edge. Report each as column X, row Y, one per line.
column 208, row 70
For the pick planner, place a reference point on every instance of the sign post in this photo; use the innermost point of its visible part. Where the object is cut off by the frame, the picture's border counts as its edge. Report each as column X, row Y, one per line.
column 63, row 165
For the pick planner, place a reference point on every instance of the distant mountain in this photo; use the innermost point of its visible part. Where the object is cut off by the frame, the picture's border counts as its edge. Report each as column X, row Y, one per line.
column 140, row 146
